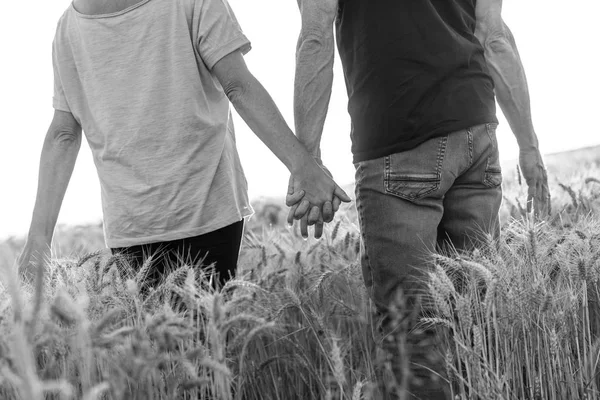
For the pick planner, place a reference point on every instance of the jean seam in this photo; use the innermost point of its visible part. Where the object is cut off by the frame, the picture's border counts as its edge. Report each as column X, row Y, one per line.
column 440, row 158
column 361, row 217
column 386, row 174
column 471, row 150
column 488, row 170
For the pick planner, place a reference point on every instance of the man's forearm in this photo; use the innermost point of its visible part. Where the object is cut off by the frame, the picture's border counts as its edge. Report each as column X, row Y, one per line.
column 511, row 87
column 56, row 167
column 312, row 87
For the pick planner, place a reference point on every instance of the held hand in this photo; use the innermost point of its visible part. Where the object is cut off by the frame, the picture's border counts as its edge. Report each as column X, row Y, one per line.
column 34, row 256
column 310, row 213
column 534, row 172
column 293, row 200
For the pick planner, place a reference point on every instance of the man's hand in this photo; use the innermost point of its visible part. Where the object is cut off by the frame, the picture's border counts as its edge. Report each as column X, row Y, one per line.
column 534, row 172
column 34, row 256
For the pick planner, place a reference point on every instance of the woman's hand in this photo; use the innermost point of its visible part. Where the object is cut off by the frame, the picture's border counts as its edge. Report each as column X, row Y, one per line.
column 34, row 256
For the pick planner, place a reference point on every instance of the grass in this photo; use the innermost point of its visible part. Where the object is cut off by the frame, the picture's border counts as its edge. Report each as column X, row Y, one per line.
column 297, row 324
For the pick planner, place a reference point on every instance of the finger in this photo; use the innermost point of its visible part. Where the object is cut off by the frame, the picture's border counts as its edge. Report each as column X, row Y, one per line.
column 541, row 194
column 539, row 201
column 548, row 199
column 544, row 200
column 291, row 185
column 302, row 209
column 546, row 194
column 530, row 196
column 342, row 195
column 290, row 218
column 319, row 229
column 327, row 211
column 314, row 215
column 293, row 198
column 336, row 204
column 304, row 227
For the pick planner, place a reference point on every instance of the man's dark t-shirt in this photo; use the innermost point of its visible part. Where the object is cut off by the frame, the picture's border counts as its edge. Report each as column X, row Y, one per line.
column 414, row 70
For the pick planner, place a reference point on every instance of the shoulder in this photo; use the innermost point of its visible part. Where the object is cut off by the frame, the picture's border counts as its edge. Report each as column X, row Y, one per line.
column 62, row 28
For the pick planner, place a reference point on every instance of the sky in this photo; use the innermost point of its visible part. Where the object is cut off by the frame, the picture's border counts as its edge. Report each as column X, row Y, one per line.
column 558, row 46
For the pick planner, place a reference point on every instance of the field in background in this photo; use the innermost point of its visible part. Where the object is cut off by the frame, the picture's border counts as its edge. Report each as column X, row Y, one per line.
column 296, row 324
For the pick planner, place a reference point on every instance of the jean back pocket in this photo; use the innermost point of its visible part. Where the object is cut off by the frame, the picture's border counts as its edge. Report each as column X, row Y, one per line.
column 415, row 173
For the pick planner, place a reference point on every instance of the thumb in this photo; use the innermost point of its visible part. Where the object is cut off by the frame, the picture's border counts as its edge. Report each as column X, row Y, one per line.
column 341, row 194
column 293, row 198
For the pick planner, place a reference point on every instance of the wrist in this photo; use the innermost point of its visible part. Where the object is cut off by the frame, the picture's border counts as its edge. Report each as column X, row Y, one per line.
column 528, row 148
column 527, row 139
column 301, row 162
column 37, row 237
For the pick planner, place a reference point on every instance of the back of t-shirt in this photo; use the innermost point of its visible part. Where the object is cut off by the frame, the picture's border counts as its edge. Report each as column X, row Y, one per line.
column 157, row 121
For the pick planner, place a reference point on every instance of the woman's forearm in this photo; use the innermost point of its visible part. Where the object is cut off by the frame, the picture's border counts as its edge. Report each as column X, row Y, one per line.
column 257, row 108
column 57, row 162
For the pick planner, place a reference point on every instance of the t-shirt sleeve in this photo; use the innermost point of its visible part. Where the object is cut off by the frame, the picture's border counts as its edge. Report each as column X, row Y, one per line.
column 219, row 32
column 59, row 101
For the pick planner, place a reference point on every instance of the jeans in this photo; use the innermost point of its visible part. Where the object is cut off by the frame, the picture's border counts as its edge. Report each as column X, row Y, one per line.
column 221, row 247
column 445, row 192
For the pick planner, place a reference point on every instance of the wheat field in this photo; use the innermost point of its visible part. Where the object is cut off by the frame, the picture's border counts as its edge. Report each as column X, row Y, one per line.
column 296, row 323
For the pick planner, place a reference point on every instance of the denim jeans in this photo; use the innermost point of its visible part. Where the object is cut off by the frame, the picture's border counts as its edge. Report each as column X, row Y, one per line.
column 447, row 191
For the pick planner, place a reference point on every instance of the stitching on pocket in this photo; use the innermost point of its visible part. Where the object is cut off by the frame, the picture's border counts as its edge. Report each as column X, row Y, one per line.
column 427, row 183
column 493, row 179
column 493, row 175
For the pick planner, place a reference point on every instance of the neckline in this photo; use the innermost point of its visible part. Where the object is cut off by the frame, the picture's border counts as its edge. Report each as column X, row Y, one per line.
column 115, row 14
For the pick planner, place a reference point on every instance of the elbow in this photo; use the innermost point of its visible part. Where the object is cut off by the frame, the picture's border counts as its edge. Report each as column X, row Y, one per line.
column 496, row 42
column 65, row 139
column 236, row 91
column 313, row 41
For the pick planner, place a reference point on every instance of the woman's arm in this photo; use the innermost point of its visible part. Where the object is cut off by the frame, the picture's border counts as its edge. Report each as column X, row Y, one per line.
column 259, row 111
column 61, row 147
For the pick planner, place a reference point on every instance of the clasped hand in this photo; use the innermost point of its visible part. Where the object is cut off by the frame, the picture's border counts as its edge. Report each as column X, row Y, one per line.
column 313, row 198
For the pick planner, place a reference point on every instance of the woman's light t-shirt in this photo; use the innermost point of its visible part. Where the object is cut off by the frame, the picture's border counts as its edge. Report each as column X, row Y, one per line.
column 157, row 121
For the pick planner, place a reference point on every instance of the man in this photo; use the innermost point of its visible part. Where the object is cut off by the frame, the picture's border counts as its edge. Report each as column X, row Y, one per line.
column 421, row 77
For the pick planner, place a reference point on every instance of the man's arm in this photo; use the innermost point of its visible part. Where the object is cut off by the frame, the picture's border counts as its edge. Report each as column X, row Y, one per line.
column 512, row 93
column 57, row 161
column 312, row 91
column 314, row 71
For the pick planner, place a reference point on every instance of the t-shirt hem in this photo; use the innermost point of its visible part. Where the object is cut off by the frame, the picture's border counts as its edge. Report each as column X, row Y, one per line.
column 60, row 107
column 406, row 146
column 214, row 56
column 176, row 235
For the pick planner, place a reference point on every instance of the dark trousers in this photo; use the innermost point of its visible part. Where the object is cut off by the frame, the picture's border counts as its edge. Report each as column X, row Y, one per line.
column 220, row 247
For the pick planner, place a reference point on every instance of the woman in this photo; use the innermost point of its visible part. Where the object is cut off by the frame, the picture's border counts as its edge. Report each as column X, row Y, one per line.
column 149, row 82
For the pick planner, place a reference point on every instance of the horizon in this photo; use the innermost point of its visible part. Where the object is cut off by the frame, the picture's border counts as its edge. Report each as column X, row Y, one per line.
column 563, row 91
